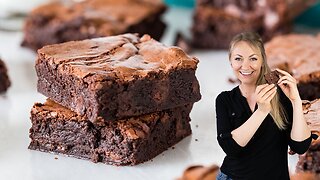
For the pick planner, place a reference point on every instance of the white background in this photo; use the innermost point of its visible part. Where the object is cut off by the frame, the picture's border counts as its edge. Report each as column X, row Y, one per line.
column 18, row 162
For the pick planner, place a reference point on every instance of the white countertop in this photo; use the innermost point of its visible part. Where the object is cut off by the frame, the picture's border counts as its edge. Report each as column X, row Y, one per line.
column 18, row 162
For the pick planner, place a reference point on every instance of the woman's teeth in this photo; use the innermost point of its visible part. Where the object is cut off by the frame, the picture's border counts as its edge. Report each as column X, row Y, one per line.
column 246, row 73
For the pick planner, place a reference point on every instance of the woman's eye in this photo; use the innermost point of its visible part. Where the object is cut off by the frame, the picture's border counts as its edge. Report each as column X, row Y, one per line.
column 237, row 59
column 254, row 59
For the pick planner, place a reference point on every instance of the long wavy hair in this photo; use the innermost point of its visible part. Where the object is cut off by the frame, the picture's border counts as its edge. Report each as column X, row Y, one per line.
column 254, row 40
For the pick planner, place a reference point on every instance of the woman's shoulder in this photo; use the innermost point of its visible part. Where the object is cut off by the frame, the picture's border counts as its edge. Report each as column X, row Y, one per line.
column 227, row 94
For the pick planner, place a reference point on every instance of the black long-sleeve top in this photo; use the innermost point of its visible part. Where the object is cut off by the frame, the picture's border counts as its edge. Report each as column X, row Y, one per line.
column 266, row 154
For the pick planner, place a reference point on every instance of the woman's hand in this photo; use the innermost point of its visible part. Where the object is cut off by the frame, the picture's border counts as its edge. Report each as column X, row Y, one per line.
column 289, row 86
column 264, row 93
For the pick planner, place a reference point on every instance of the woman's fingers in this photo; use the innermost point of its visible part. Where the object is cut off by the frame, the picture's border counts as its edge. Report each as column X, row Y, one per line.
column 272, row 94
column 266, row 93
column 286, row 82
column 260, row 87
column 286, row 78
column 266, row 89
column 283, row 72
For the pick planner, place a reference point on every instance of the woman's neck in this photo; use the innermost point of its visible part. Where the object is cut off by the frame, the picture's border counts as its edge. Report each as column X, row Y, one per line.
column 247, row 90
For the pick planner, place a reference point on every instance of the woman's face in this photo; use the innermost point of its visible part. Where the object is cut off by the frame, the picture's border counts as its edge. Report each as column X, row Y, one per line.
column 246, row 62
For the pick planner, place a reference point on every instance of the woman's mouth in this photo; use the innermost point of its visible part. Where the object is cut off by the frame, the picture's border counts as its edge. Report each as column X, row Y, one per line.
column 246, row 73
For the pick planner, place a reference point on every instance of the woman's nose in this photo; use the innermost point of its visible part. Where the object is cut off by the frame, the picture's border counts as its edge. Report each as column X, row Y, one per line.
column 245, row 64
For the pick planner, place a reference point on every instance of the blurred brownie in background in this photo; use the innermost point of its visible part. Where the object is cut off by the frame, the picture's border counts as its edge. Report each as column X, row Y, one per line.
column 67, row 20
column 300, row 56
column 304, row 176
column 310, row 161
column 200, row 172
column 4, row 78
column 216, row 22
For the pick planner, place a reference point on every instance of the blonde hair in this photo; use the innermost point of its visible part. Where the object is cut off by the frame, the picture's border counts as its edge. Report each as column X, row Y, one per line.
column 254, row 40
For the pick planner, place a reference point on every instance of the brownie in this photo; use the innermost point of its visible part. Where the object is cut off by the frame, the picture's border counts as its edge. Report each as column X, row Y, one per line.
column 272, row 77
column 116, row 77
column 310, row 161
column 299, row 55
column 200, row 173
column 311, row 111
column 4, row 78
column 62, row 21
column 216, row 22
column 56, row 129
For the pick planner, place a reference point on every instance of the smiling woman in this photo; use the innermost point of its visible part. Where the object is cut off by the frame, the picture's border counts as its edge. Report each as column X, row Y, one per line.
column 255, row 121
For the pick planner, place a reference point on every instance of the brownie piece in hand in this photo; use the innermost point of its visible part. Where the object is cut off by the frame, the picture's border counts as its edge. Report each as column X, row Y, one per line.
column 62, row 21
column 272, row 77
column 56, row 129
column 117, row 77
column 299, row 55
column 4, row 78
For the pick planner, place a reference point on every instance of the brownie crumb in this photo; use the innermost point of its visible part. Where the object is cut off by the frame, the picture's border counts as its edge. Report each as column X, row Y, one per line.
column 4, row 78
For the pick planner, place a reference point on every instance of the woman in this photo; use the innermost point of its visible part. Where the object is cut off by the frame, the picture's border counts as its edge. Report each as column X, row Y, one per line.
column 255, row 121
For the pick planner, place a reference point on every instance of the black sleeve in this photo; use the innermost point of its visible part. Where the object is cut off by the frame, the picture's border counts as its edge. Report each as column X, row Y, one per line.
column 224, row 128
column 299, row 147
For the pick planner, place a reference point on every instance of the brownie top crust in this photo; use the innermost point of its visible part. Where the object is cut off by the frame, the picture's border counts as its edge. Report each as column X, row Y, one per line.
column 105, row 16
column 122, row 57
column 297, row 54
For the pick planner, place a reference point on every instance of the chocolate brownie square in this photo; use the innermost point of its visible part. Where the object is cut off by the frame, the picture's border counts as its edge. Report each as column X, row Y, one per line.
column 116, row 77
column 272, row 77
column 131, row 141
column 62, row 21
column 4, row 78
column 216, row 22
column 310, row 161
column 299, row 55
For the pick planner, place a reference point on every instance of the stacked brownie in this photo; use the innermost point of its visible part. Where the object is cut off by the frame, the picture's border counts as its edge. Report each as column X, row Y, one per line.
column 310, row 161
column 4, row 78
column 216, row 22
column 299, row 55
column 66, row 20
column 119, row 100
